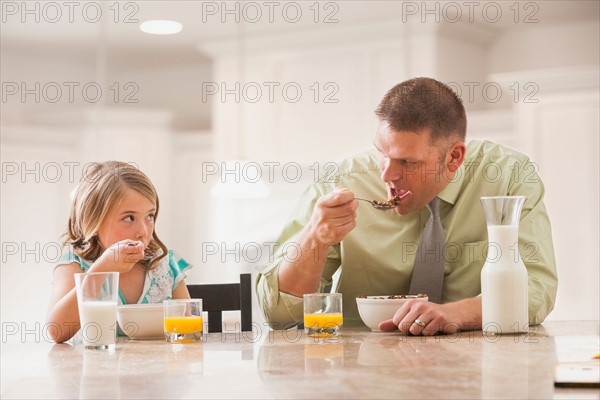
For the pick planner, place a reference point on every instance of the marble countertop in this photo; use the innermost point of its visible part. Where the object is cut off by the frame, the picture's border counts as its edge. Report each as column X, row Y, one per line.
column 288, row 364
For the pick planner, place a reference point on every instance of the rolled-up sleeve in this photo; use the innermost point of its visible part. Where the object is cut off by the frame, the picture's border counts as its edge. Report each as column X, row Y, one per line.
column 535, row 245
column 283, row 310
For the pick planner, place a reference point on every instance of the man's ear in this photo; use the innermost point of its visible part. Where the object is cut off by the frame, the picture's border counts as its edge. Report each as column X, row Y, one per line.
column 457, row 156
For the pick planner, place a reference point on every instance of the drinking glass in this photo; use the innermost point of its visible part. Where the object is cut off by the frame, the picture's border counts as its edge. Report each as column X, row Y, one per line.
column 97, row 297
column 183, row 320
column 323, row 314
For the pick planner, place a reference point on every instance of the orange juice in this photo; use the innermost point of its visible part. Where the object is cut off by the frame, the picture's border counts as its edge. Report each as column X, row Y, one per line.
column 323, row 314
column 320, row 321
column 183, row 325
column 323, row 324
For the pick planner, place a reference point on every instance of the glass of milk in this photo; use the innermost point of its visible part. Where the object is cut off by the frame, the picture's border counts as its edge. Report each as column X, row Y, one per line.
column 97, row 297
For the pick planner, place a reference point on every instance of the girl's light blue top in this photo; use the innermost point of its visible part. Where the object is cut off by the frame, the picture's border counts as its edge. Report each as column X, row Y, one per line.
column 159, row 283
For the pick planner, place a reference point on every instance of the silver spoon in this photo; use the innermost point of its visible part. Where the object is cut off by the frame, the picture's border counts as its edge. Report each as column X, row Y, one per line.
column 377, row 206
column 384, row 207
column 147, row 255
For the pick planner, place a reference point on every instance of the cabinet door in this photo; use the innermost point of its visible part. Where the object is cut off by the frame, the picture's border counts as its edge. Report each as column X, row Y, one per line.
column 562, row 134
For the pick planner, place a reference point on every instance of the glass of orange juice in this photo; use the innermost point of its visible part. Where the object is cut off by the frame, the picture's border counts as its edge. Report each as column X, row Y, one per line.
column 323, row 314
column 183, row 320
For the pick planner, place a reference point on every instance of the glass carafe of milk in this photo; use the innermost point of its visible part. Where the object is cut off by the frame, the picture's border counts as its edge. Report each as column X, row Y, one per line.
column 504, row 276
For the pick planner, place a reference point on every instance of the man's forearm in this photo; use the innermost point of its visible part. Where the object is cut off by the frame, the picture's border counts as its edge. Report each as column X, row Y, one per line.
column 470, row 313
column 301, row 274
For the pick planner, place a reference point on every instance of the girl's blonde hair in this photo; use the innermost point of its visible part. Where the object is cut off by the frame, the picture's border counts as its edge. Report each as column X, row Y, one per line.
column 101, row 188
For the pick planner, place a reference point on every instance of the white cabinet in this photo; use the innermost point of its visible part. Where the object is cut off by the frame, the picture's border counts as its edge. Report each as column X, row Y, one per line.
column 560, row 133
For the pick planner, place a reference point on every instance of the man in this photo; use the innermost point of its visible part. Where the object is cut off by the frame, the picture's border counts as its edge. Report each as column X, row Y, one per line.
column 421, row 155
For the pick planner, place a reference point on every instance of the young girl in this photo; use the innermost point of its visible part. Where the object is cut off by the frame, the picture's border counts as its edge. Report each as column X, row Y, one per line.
column 111, row 229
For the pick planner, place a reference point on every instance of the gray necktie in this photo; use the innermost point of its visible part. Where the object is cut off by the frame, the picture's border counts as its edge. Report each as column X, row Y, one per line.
column 428, row 272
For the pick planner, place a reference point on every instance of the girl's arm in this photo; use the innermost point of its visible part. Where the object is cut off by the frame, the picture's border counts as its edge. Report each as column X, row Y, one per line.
column 181, row 291
column 63, row 313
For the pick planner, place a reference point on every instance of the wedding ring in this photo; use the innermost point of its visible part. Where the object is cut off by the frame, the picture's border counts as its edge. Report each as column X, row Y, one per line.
column 420, row 323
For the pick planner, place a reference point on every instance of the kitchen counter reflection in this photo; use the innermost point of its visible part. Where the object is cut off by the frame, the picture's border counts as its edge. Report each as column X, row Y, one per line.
column 287, row 364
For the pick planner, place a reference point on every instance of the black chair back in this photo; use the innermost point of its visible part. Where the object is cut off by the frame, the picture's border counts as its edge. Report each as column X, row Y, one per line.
column 217, row 298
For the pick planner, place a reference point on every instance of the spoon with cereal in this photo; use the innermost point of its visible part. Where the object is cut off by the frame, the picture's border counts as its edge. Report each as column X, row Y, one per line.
column 389, row 204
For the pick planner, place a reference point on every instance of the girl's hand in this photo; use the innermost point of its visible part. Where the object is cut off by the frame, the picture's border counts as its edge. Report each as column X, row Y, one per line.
column 120, row 257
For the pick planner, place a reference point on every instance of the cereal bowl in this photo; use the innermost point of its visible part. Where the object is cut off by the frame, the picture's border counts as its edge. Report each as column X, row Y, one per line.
column 141, row 321
column 376, row 309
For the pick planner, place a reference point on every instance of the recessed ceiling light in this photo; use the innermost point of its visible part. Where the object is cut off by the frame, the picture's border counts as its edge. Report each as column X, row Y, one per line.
column 161, row 27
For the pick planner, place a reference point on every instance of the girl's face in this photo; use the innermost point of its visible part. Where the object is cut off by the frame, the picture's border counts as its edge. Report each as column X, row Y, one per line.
column 132, row 218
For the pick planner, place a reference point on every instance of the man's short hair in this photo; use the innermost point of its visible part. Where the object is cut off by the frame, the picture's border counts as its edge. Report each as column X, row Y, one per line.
column 424, row 104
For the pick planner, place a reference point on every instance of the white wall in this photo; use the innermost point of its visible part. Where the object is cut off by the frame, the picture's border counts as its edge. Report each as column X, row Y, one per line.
column 34, row 207
column 364, row 62
column 546, row 46
column 23, row 68
column 176, row 88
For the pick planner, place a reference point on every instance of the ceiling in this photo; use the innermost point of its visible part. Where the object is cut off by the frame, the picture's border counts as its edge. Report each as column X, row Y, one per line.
column 207, row 21
column 83, row 38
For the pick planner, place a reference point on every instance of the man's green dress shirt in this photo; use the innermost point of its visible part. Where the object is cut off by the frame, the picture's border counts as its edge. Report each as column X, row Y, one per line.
column 377, row 257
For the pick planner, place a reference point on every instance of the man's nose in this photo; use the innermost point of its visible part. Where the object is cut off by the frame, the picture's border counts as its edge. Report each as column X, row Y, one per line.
column 388, row 173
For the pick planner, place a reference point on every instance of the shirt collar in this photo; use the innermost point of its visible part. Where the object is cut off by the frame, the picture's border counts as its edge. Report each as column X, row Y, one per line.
column 452, row 191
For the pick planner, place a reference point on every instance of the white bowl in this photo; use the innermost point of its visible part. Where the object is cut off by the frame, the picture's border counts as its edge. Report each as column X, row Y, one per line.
column 376, row 309
column 141, row 321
